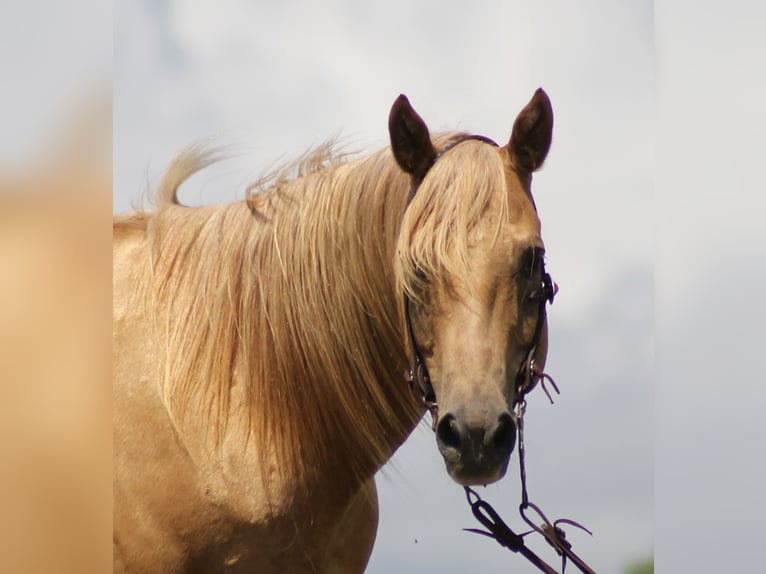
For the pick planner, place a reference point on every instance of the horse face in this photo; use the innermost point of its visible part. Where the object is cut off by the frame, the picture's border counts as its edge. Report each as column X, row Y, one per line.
column 475, row 305
column 474, row 334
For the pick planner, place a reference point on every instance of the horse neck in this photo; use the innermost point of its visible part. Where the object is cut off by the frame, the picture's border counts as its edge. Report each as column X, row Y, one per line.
column 338, row 350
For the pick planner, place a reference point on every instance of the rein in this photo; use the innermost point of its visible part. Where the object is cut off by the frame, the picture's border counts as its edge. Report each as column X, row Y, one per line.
column 527, row 379
column 498, row 530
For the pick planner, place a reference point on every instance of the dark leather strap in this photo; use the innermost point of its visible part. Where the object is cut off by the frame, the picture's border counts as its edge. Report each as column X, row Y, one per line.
column 420, row 381
column 527, row 376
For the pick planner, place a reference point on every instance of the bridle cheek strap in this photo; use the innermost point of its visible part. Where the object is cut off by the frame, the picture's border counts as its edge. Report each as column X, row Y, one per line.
column 530, row 371
column 420, row 381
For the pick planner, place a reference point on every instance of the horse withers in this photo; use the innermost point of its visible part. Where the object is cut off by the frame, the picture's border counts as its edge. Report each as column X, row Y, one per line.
column 259, row 346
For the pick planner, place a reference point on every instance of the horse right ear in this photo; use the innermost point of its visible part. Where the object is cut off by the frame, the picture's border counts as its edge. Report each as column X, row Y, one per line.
column 410, row 141
column 531, row 136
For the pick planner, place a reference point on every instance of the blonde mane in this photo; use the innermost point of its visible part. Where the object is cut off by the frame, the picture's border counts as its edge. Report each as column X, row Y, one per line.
column 295, row 295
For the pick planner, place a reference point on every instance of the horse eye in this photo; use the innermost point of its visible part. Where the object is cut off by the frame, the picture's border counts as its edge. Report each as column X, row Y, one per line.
column 532, row 264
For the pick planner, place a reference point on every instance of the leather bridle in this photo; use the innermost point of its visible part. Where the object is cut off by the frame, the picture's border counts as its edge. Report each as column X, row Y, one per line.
column 527, row 375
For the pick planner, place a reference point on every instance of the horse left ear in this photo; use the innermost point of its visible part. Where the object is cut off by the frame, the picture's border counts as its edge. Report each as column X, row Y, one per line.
column 410, row 140
column 531, row 135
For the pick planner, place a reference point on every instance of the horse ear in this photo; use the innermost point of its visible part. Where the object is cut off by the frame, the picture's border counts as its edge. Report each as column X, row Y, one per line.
column 410, row 141
column 531, row 135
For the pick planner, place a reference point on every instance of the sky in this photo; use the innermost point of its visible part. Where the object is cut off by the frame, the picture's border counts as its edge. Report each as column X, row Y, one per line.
column 709, row 280
column 656, row 137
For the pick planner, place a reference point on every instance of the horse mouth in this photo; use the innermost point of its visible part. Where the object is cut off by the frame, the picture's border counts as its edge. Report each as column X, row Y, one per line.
column 475, row 466
column 476, row 473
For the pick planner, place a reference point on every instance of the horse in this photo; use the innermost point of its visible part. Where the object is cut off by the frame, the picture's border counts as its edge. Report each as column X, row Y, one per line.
column 259, row 346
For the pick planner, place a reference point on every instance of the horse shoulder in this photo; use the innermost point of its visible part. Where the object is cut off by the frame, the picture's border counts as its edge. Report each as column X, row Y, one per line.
column 177, row 507
column 353, row 538
column 152, row 473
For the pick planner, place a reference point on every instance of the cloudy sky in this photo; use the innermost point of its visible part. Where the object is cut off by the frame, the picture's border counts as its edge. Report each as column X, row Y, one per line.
column 650, row 151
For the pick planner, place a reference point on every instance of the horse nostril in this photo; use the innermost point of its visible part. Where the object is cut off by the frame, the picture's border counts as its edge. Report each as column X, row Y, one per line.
column 448, row 431
column 504, row 435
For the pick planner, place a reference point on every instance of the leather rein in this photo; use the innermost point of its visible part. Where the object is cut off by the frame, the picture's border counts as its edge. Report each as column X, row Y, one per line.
column 527, row 377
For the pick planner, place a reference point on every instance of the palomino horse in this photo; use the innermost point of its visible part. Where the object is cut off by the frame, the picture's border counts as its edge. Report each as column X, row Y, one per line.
column 259, row 346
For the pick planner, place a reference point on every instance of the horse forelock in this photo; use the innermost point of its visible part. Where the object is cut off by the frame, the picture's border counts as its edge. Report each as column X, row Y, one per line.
column 447, row 211
column 297, row 307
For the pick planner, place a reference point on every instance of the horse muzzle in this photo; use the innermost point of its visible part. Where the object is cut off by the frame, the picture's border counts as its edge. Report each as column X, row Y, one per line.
column 476, row 450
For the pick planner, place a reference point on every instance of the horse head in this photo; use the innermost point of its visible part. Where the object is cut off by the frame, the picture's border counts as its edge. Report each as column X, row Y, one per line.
column 470, row 265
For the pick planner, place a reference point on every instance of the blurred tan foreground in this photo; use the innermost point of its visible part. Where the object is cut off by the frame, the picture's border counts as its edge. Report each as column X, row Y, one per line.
column 55, row 355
